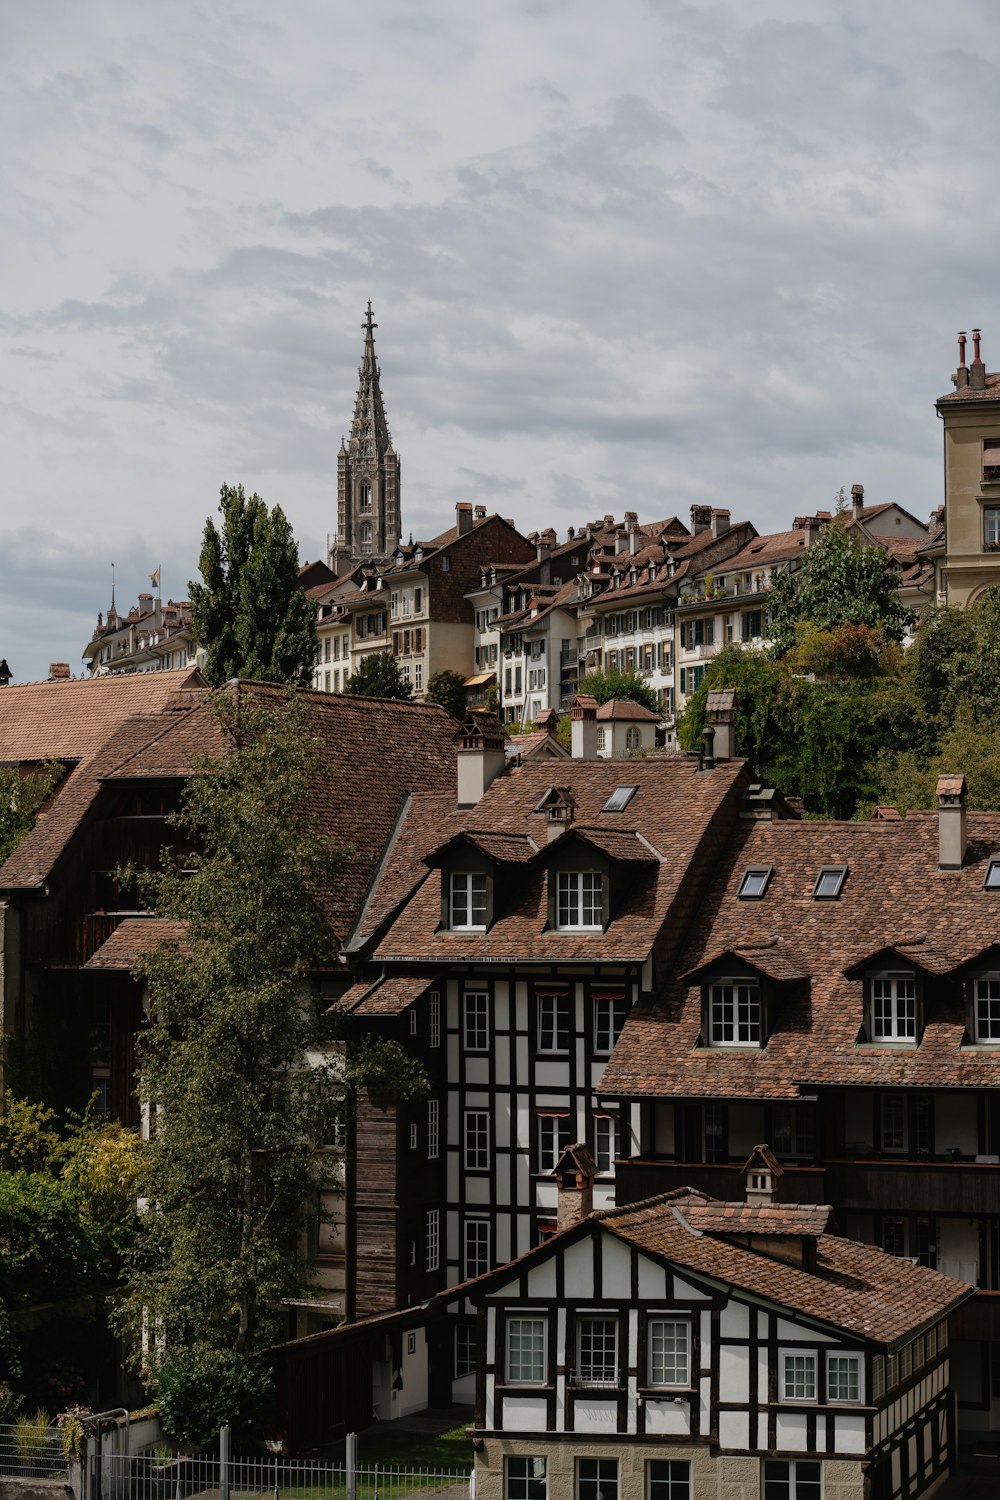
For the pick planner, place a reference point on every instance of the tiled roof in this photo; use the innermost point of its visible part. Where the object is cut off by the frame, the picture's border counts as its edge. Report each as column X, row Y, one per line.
column 615, row 842
column 674, row 808
column 72, row 718
column 991, row 393
column 505, row 848
column 387, row 996
column 763, row 551
column 424, row 823
column 131, row 939
column 712, row 1217
column 624, row 708
column 770, row 956
column 893, row 886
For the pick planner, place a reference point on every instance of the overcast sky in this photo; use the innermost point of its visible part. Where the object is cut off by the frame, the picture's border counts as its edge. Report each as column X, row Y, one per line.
column 621, row 256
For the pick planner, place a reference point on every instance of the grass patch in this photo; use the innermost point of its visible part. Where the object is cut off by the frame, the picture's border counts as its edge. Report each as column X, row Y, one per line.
column 445, row 1450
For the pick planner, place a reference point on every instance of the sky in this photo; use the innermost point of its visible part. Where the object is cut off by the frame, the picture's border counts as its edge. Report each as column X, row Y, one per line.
column 637, row 256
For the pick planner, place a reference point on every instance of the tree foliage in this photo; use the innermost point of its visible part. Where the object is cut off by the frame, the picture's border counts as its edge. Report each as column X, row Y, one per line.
column 448, row 689
column 840, row 583
column 22, row 795
column 200, row 1390
column 609, row 683
column 250, row 613
column 378, row 676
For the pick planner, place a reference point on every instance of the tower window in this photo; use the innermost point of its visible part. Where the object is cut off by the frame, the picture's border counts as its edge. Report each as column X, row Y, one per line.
column 366, row 536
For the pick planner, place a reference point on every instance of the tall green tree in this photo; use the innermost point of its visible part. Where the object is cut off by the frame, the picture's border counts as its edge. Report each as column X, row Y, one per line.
column 22, row 795
column 609, row 683
column 840, row 583
column 447, row 689
column 240, row 1110
column 250, row 613
column 378, row 676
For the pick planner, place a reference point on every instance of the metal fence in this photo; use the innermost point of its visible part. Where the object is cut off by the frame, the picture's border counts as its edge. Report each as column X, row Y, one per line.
column 148, row 1477
column 30, row 1450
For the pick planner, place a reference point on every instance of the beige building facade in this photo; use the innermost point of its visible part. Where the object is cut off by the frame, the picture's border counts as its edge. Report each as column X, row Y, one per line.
column 971, row 419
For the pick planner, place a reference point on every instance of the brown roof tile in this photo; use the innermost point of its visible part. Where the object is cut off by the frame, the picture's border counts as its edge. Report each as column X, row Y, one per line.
column 71, row 720
column 131, row 939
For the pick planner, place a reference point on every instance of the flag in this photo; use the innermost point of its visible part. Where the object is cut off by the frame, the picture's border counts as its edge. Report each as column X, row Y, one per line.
column 154, row 579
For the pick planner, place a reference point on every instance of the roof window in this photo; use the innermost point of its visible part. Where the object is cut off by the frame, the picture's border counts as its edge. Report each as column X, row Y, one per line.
column 829, row 882
column 992, row 881
column 755, row 882
column 619, row 799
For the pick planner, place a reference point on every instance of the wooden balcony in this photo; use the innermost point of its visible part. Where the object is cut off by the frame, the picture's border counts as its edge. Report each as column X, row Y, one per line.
column 915, row 1186
column 643, row 1177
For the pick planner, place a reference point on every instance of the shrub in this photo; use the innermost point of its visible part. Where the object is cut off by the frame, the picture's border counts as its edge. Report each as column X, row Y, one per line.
column 30, row 1437
column 201, row 1390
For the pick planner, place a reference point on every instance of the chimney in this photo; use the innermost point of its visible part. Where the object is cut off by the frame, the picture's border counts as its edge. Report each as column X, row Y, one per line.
column 570, row 533
column 951, row 822
column 708, row 749
column 463, row 517
column 481, row 755
column 961, row 375
column 5, row 673
column 145, row 604
column 548, row 722
column 560, row 810
column 480, row 512
column 857, row 500
column 634, row 538
column 701, row 518
column 721, row 712
column 574, row 1173
column 583, row 728
column 720, row 522
column 977, row 370
column 58, row 671
column 761, row 1174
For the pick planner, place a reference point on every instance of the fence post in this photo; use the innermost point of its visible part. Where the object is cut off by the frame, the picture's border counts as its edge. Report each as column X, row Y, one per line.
column 351, row 1454
column 225, row 1437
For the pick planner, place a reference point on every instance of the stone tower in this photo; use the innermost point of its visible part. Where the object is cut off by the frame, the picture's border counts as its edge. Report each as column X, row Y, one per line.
column 368, row 521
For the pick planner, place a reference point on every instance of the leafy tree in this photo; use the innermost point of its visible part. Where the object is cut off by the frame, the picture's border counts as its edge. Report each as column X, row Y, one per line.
column 970, row 747
column 448, row 690
column 200, row 1390
column 251, row 613
column 223, row 1062
column 21, row 798
column 608, row 683
column 378, row 676
column 840, row 582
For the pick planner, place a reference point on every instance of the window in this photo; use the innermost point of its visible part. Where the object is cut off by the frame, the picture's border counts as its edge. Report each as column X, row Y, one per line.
column 418, row 601
column 433, row 1128
column 892, row 1111
column 734, row 1014
column 992, row 881
column 467, row 902
column 477, row 1140
column 476, row 1247
column 365, row 497
column 793, row 1130
column 607, row 1142
column 525, row 1479
column 413, row 1137
column 894, row 1008
column 579, row 900
column 476, row 1020
column 432, row 1240
column 609, row 1018
column 434, row 1013
column 366, row 538
column 798, row 1374
column 602, row 739
column 716, row 1138
column 755, row 882
column 526, row 1350
column 553, row 1023
column 991, row 527
column 633, row 739
column 668, row 1479
column 466, row 1349
column 553, row 1138
column 843, row 1377
column 418, row 676
column 413, row 1021
column 597, row 1350
column 752, row 620
column 446, row 565
column 597, row 1479
column 669, row 1351
column 987, row 1009
column 792, row 1479
column 893, row 1236
column 829, row 882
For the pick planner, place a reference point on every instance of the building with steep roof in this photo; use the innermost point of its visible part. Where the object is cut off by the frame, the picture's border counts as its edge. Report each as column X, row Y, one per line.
column 369, row 524
column 970, row 416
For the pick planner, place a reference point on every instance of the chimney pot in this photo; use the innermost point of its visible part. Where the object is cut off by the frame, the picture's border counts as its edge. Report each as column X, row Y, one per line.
column 857, row 500
column 708, row 749
column 721, row 711
column 58, row 671
column 701, row 518
column 952, row 836
column 481, row 755
column 583, row 727
column 977, row 370
column 720, row 522
column 480, row 512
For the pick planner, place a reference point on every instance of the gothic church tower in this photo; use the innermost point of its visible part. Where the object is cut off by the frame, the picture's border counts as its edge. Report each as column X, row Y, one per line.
column 368, row 520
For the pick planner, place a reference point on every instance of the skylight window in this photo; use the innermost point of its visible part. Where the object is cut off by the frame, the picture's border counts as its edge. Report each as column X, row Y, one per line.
column 992, row 881
column 619, row 799
column 829, row 882
column 755, row 882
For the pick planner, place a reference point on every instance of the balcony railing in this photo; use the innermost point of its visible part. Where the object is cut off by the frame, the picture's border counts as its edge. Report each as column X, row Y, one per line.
column 644, row 1177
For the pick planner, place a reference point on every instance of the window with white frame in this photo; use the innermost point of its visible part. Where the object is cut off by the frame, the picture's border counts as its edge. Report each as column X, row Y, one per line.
column 792, row 1479
column 894, row 1008
column 892, row 1116
column 607, row 1143
column 597, row 1479
column 434, row 1017
column 734, row 1013
column 477, row 1140
column 579, row 900
column 433, row 1129
column 526, row 1348
column 798, row 1374
column 668, row 1479
column 843, row 1377
column 467, row 901
column 609, row 1018
column 476, row 1247
column 986, row 994
column 432, row 1239
column 669, row 1346
column 553, row 1138
column 525, row 1479
column 553, row 1023
column 633, row 739
column 476, row 1020
column 596, row 1350
column 466, row 1349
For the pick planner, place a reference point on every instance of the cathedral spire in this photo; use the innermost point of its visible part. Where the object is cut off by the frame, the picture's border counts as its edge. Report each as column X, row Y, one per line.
column 369, row 431
column 368, row 515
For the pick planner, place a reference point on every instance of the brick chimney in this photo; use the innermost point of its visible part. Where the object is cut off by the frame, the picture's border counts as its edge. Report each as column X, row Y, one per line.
column 574, row 1172
column 59, row 671
column 583, row 728
column 952, row 836
column 481, row 755
column 701, row 518
column 720, row 522
column 857, row 500
column 977, row 369
column 463, row 517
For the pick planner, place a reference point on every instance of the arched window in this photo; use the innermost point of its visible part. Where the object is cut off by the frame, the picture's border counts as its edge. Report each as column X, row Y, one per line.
column 365, row 498
column 632, row 739
column 366, row 536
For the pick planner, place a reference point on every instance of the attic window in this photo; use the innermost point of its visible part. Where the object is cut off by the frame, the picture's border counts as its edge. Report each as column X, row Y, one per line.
column 992, row 881
column 829, row 882
column 619, row 799
column 755, row 882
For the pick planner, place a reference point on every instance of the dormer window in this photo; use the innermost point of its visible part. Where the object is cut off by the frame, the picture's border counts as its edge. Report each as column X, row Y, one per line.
column 986, row 1008
column 992, row 881
column 894, row 1008
column 734, row 1013
column 829, row 882
column 467, row 901
column 580, row 900
column 755, row 882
